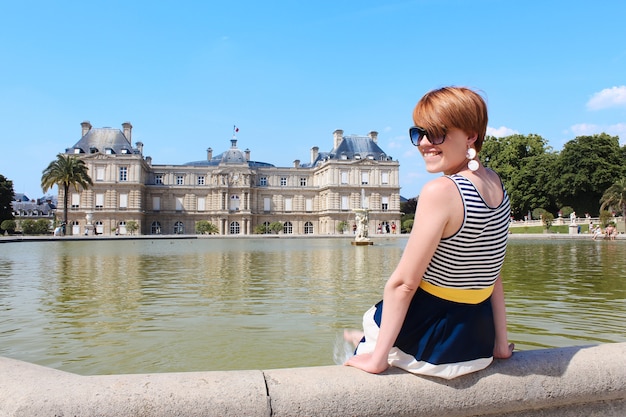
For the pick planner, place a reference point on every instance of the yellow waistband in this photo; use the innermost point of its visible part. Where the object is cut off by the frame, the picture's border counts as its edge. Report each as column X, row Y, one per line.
column 470, row 296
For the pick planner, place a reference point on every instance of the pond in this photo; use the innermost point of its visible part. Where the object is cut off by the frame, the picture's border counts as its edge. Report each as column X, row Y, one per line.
column 168, row 305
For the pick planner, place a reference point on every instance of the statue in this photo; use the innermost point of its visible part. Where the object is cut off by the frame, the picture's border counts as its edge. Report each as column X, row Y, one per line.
column 572, row 217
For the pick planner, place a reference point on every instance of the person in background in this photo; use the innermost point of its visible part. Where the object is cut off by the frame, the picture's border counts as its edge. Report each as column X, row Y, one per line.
column 443, row 310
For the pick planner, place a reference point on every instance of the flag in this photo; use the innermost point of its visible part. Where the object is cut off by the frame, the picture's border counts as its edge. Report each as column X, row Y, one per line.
column 235, row 129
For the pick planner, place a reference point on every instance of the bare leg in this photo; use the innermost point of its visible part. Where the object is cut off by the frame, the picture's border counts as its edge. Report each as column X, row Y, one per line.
column 353, row 336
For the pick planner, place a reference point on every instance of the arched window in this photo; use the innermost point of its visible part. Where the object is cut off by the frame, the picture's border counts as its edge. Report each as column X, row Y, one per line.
column 179, row 228
column 234, row 228
column 155, row 228
column 266, row 227
column 121, row 228
column 99, row 228
column 287, row 228
column 308, row 228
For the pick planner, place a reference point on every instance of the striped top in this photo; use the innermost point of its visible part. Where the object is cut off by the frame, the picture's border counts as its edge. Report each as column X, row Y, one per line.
column 472, row 257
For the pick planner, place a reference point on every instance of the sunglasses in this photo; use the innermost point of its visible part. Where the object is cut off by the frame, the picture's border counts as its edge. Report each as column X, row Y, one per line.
column 417, row 134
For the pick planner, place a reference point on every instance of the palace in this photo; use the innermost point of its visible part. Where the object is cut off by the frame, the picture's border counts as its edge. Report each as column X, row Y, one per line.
column 236, row 194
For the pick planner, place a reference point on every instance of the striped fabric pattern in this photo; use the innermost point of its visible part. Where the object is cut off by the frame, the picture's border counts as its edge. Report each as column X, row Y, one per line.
column 473, row 257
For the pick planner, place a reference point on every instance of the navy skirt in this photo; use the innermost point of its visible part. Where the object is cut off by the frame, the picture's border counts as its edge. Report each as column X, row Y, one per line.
column 438, row 337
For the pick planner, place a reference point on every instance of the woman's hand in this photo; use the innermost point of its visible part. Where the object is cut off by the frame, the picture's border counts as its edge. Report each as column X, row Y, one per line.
column 503, row 351
column 367, row 363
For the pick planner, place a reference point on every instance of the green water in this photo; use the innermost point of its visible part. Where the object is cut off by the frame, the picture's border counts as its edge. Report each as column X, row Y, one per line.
column 165, row 305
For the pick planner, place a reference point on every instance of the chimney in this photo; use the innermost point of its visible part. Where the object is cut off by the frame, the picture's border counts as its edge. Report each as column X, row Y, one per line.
column 149, row 160
column 296, row 163
column 128, row 128
column 314, row 153
column 338, row 137
column 209, row 154
column 86, row 127
column 373, row 136
column 247, row 151
column 139, row 146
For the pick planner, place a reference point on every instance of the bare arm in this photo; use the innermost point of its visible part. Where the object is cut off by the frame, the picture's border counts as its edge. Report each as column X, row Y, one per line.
column 502, row 349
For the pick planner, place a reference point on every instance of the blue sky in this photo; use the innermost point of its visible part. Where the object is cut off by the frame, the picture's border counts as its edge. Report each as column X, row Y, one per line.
column 289, row 73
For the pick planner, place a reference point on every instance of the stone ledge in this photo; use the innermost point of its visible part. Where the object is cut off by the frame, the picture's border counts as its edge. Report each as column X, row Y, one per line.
column 572, row 381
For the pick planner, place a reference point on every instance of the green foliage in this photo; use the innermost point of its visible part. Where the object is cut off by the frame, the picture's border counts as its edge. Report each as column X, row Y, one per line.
column 276, row 227
column 547, row 219
column 8, row 225
column 261, row 229
column 132, row 226
column 407, row 225
column 538, row 213
column 35, row 227
column 65, row 172
column 566, row 211
column 615, row 197
column 605, row 218
column 587, row 166
column 6, row 197
column 205, row 227
column 342, row 226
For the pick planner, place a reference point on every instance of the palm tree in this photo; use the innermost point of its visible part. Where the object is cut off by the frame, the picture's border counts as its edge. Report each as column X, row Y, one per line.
column 615, row 197
column 65, row 171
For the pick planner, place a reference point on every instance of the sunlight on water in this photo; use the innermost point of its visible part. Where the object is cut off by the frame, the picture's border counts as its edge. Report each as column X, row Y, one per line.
column 128, row 306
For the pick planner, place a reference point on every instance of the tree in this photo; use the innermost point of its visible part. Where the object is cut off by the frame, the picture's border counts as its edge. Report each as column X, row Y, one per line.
column 6, row 197
column 547, row 219
column 8, row 226
column 132, row 226
column 205, row 227
column 526, row 165
column 66, row 171
column 276, row 227
column 587, row 166
column 342, row 226
column 615, row 197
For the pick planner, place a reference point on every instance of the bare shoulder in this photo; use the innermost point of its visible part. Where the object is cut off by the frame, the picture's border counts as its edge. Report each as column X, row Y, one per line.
column 439, row 188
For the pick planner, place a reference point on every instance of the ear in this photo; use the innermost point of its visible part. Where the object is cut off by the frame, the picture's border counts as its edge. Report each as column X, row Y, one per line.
column 472, row 138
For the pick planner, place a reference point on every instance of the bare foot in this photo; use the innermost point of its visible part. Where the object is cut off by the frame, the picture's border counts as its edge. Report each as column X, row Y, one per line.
column 353, row 336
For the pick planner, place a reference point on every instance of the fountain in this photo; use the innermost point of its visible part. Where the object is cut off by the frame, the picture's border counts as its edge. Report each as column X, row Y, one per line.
column 361, row 217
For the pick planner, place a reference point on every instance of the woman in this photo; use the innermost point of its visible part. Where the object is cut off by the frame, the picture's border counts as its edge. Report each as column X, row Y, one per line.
column 443, row 311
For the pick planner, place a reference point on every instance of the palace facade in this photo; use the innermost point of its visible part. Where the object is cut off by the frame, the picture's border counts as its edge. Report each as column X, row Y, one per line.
column 231, row 191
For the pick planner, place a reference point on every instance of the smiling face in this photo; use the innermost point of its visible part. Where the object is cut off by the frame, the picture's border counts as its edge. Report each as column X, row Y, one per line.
column 458, row 113
column 448, row 157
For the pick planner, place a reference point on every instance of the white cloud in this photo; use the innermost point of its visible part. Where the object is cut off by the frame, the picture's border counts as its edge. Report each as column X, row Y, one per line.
column 609, row 97
column 586, row 129
column 501, row 131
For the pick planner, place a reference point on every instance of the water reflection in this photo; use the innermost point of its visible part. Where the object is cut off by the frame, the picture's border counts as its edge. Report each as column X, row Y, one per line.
column 129, row 306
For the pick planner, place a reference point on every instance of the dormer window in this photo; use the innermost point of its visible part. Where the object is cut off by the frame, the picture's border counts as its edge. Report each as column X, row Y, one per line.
column 109, row 151
column 93, row 149
column 344, row 156
column 77, row 150
column 370, row 157
column 357, row 157
column 125, row 151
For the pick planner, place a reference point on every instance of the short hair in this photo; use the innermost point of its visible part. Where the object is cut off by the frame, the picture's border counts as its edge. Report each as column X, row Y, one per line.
column 449, row 107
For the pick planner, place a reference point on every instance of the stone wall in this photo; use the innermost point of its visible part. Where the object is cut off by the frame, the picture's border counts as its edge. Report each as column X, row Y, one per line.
column 572, row 381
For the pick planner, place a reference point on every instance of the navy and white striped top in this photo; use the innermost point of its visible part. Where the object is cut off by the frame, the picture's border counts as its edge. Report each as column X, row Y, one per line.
column 472, row 258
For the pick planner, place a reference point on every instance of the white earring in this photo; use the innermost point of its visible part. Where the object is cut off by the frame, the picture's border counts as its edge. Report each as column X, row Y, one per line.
column 471, row 154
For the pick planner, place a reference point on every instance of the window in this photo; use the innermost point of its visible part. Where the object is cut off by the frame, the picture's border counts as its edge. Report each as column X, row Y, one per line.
column 384, row 177
column 365, row 178
column 100, row 174
column 302, row 181
column 308, row 228
column 155, row 228
column 121, row 228
column 201, row 203
column 180, row 180
column 345, row 202
column 288, row 204
column 99, row 201
column 288, row 228
column 266, row 228
column 283, row 181
column 234, row 228
column 200, row 179
column 99, row 227
column 124, row 201
column 179, row 204
column 267, row 204
column 156, row 203
column 123, row 173
column 263, row 181
column 344, row 177
column 385, row 204
column 75, row 200
column 308, row 205
column 179, row 228
column 234, row 203
column 158, row 179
